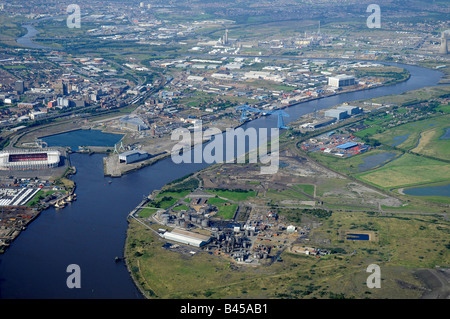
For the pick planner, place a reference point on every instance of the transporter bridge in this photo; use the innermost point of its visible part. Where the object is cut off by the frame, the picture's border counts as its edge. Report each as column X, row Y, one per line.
column 245, row 108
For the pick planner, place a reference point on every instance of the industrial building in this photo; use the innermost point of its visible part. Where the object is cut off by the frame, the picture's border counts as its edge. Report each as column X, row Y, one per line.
column 350, row 109
column 133, row 123
column 23, row 160
column 37, row 115
column 320, row 123
column 186, row 237
column 341, row 80
column 132, row 156
column 347, row 145
column 337, row 114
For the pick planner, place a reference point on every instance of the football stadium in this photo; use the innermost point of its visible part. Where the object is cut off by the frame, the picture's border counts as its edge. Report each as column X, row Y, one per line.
column 26, row 160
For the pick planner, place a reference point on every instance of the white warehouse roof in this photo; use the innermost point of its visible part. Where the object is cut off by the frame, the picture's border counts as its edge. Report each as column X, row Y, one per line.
column 186, row 237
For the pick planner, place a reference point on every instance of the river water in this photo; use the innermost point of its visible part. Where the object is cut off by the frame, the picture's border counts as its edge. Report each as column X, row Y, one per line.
column 91, row 231
column 26, row 40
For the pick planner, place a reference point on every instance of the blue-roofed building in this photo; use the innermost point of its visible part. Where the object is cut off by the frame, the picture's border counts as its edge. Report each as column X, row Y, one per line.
column 347, row 145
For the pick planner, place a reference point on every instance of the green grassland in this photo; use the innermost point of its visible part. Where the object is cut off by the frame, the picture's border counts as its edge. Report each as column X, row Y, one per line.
column 233, row 195
column 431, row 144
column 414, row 96
column 408, row 170
column 163, row 203
column 348, row 165
column 11, row 28
column 394, row 73
column 404, row 243
column 306, row 188
column 226, row 211
column 39, row 196
column 217, row 200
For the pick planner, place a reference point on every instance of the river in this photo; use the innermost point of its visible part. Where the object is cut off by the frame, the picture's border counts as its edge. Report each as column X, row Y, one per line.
column 26, row 41
column 91, row 231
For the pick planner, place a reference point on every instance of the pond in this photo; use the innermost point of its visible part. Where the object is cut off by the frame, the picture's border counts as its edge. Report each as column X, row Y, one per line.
column 446, row 135
column 375, row 160
column 358, row 236
column 399, row 139
column 443, row 190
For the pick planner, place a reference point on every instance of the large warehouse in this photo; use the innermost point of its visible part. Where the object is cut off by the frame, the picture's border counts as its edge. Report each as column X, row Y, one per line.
column 336, row 113
column 32, row 159
column 186, row 237
column 350, row 109
column 133, row 156
column 341, row 80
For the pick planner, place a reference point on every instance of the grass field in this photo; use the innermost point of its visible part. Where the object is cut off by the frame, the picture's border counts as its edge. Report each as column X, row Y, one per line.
column 232, row 194
column 423, row 137
column 163, row 203
column 414, row 96
column 408, row 170
column 226, row 211
column 306, row 188
column 217, row 200
column 348, row 165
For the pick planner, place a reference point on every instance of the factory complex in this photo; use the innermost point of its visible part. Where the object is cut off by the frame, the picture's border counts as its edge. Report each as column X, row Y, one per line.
column 193, row 222
column 340, row 145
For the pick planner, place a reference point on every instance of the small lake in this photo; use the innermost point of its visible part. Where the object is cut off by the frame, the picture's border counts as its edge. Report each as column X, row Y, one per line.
column 399, row 139
column 79, row 138
column 446, row 135
column 375, row 160
column 443, row 190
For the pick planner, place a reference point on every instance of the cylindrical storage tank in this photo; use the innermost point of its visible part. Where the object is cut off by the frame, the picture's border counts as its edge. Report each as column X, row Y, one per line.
column 205, row 223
